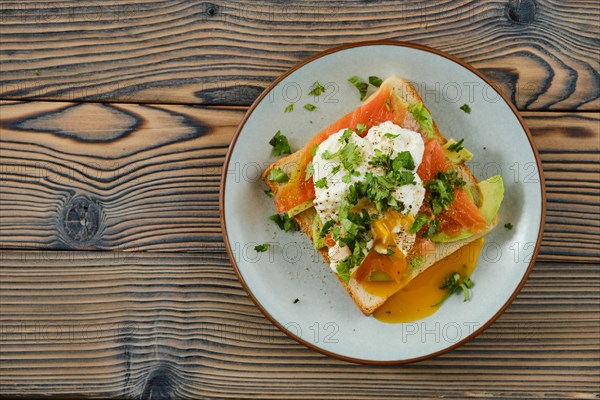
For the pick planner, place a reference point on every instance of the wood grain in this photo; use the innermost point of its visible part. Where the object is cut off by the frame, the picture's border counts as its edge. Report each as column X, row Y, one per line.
column 153, row 173
column 544, row 54
column 172, row 325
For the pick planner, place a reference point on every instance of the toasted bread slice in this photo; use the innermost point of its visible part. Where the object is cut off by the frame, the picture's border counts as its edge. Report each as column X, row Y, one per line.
column 366, row 301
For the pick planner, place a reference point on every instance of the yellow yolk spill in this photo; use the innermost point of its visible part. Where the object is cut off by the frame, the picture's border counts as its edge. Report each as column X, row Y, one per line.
column 392, row 265
column 421, row 296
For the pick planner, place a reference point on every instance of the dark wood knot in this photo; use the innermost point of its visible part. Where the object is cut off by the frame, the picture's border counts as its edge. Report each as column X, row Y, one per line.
column 81, row 220
column 160, row 384
column 521, row 12
column 211, row 9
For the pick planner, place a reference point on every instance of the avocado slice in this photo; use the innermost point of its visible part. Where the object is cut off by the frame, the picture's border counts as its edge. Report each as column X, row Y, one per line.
column 379, row 276
column 299, row 208
column 318, row 241
column 443, row 237
column 457, row 157
column 492, row 193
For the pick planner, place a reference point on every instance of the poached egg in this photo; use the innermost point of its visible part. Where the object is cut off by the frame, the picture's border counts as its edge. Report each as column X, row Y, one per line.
column 391, row 227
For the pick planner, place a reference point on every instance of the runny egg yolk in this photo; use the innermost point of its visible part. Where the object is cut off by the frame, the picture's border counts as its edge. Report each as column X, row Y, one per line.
column 381, row 273
column 421, row 297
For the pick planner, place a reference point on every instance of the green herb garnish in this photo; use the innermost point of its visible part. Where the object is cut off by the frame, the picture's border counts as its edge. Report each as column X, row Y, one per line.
column 420, row 113
column 310, row 171
column 441, row 189
column 289, row 108
column 433, row 228
column 454, row 284
column 391, row 136
column 317, row 90
column 297, row 300
column 509, row 226
column 37, row 72
column 280, row 144
column 269, row 193
column 326, row 228
column 284, row 222
column 313, row 152
column 457, row 146
column 310, row 107
column 321, row 183
column 420, row 221
column 465, row 107
column 361, row 128
column 375, row 81
column 277, row 175
column 362, row 87
column 261, row 248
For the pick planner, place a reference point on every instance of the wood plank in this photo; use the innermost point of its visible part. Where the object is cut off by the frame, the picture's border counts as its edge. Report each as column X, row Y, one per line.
column 542, row 53
column 125, row 325
column 150, row 176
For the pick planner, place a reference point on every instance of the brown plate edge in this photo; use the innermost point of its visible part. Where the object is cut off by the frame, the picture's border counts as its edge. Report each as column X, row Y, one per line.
column 418, row 47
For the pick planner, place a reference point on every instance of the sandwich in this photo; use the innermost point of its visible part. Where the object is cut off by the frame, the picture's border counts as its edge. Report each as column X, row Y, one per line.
column 383, row 195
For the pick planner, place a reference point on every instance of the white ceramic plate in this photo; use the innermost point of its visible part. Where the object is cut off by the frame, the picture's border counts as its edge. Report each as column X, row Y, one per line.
column 325, row 318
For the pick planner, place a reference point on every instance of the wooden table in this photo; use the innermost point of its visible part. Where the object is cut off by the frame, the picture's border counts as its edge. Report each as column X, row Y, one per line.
column 116, row 117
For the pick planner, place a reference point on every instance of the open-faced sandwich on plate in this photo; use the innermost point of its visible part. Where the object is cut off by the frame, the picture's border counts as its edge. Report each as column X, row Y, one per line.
column 384, row 196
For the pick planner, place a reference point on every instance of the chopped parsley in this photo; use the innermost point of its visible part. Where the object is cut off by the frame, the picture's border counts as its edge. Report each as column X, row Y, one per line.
column 391, row 135
column 313, row 152
column 321, row 183
column 349, row 154
column 37, row 72
column 441, row 190
column 317, row 90
column 310, row 107
column 284, row 222
column 361, row 128
column 280, row 144
column 261, row 248
column 466, row 108
column 326, row 228
column 457, row 146
column 420, row 221
column 455, row 284
column 297, row 300
column 403, row 160
column 375, row 81
column 357, row 227
column 289, row 108
column 420, row 113
column 509, row 226
column 310, row 171
column 362, row 87
column 390, row 250
column 387, row 104
column 277, row 175
column 269, row 193
column 433, row 228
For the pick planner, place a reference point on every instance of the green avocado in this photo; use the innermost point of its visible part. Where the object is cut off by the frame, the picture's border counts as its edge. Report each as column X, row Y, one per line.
column 316, row 227
column 457, row 157
column 379, row 276
column 491, row 194
column 299, row 208
column 443, row 237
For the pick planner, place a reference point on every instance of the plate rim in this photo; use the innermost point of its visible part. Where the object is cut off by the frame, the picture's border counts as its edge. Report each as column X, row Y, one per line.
column 397, row 43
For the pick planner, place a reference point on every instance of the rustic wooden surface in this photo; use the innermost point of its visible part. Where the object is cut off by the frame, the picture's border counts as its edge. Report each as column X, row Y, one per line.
column 125, row 111
column 543, row 53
